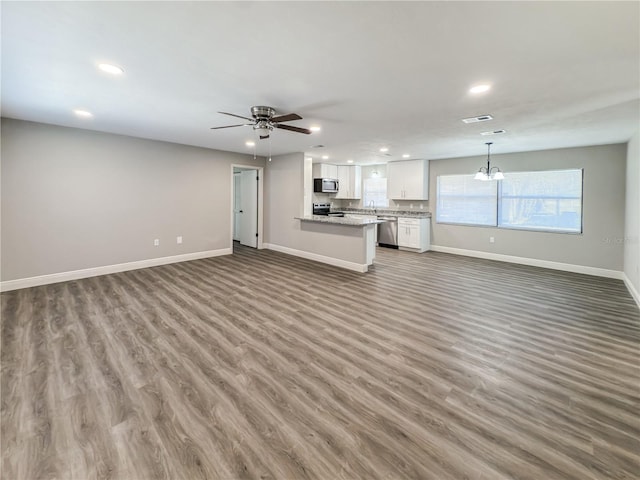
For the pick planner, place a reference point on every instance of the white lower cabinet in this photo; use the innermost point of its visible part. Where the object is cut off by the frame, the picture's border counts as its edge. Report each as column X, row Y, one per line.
column 414, row 234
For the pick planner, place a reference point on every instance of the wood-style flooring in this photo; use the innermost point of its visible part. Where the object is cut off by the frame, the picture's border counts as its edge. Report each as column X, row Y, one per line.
column 260, row 365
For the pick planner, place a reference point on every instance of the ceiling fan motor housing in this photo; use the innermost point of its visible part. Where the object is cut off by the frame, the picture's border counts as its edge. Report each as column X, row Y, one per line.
column 264, row 121
column 262, row 113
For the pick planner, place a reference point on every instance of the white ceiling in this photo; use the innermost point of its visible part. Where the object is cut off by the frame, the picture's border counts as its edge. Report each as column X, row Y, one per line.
column 371, row 74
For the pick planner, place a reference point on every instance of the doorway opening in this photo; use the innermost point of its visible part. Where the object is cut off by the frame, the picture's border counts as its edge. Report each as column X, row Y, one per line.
column 246, row 206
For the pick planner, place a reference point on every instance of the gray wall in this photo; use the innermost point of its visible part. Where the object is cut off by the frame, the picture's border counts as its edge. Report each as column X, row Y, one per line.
column 632, row 215
column 75, row 199
column 284, row 198
column 284, row 194
column 600, row 245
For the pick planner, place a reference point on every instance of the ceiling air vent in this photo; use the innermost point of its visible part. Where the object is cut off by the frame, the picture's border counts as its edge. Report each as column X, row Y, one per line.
column 481, row 118
column 493, row 132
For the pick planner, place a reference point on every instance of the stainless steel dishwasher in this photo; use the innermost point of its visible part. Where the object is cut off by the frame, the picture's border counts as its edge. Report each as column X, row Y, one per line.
column 388, row 232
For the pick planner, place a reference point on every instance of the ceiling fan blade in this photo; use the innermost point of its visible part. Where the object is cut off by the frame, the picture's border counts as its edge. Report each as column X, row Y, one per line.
column 229, row 126
column 293, row 129
column 239, row 116
column 286, row 118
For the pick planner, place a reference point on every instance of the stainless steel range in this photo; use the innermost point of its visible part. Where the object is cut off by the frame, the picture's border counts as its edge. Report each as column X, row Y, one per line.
column 325, row 209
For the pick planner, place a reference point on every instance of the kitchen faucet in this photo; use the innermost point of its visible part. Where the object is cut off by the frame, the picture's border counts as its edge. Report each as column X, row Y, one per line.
column 372, row 204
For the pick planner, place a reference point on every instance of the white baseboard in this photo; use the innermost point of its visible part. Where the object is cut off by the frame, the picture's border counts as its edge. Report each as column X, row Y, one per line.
column 632, row 290
column 567, row 267
column 104, row 270
column 336, row 262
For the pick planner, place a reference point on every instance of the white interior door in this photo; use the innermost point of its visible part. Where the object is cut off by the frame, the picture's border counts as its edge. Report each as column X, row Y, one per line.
column 237, row 195
column 249, row 208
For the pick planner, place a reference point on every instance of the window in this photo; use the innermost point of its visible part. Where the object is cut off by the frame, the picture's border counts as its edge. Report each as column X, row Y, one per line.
column 547, row 201
column 550, row 201
column 375, row 192
column 463, row 200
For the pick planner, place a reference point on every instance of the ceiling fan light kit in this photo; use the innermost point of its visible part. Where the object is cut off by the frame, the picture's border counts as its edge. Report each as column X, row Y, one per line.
column 265, row 120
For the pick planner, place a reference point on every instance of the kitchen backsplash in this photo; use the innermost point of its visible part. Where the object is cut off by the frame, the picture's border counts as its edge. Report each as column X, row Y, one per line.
column 324, row 198
column 417, row 205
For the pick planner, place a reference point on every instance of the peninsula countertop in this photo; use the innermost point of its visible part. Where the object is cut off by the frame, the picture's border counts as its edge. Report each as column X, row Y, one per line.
column 387, row 212
column 349, row 221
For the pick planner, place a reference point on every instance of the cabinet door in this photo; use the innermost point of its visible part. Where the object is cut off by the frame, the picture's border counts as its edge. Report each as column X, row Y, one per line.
column 330, row 171
column 414, row 181
column 344, row 180
column 416, row 185
column 395, row 180
column 324, row 170
column 356, row 181
column 410, row 232
column 404, row 239
column 408, row 180
column 350, row 180
column 414, row 236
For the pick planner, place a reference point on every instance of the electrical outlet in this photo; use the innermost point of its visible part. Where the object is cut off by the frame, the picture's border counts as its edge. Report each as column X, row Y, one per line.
column 492, row 240
column 421, row 206
column 179, row 239
column 156, row 242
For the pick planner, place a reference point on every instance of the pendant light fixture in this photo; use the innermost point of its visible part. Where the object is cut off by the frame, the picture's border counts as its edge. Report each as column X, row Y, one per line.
column 489, row 172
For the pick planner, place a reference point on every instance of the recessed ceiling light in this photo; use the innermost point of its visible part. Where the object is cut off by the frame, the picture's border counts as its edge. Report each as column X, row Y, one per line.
column 250, row 143
column 325, row 157
column 405, row 155
column 480, row 118
column 349, row 161
column 314, row 128
column 83, row 113
column 384, row 149
column 112, row 69
column 480, row 88
column 493, row 132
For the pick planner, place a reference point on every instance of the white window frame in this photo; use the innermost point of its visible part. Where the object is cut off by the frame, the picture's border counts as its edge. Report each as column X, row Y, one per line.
column 499, row 197
column 469, row 181
column 542, row 197
column 380, row 199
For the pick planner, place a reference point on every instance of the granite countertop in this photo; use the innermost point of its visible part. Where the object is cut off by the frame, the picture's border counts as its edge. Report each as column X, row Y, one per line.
column 353, row 222
column 387, row 211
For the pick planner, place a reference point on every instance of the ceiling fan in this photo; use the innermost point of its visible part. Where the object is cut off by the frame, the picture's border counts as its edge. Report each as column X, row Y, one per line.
column 264, row 121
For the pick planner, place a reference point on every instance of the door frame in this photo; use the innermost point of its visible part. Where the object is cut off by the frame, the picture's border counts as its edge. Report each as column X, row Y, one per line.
column 234, row 225
column 260, row 172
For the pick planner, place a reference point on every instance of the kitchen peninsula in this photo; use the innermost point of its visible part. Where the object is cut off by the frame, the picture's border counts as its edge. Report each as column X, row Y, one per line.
column 342, row 241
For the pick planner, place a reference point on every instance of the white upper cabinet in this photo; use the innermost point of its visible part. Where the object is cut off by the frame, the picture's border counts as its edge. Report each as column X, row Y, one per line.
column 408, row 180
column 349, row 181
column 324, row 170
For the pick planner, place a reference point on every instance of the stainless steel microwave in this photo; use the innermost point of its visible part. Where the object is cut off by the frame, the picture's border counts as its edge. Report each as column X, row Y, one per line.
column 325, row 185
